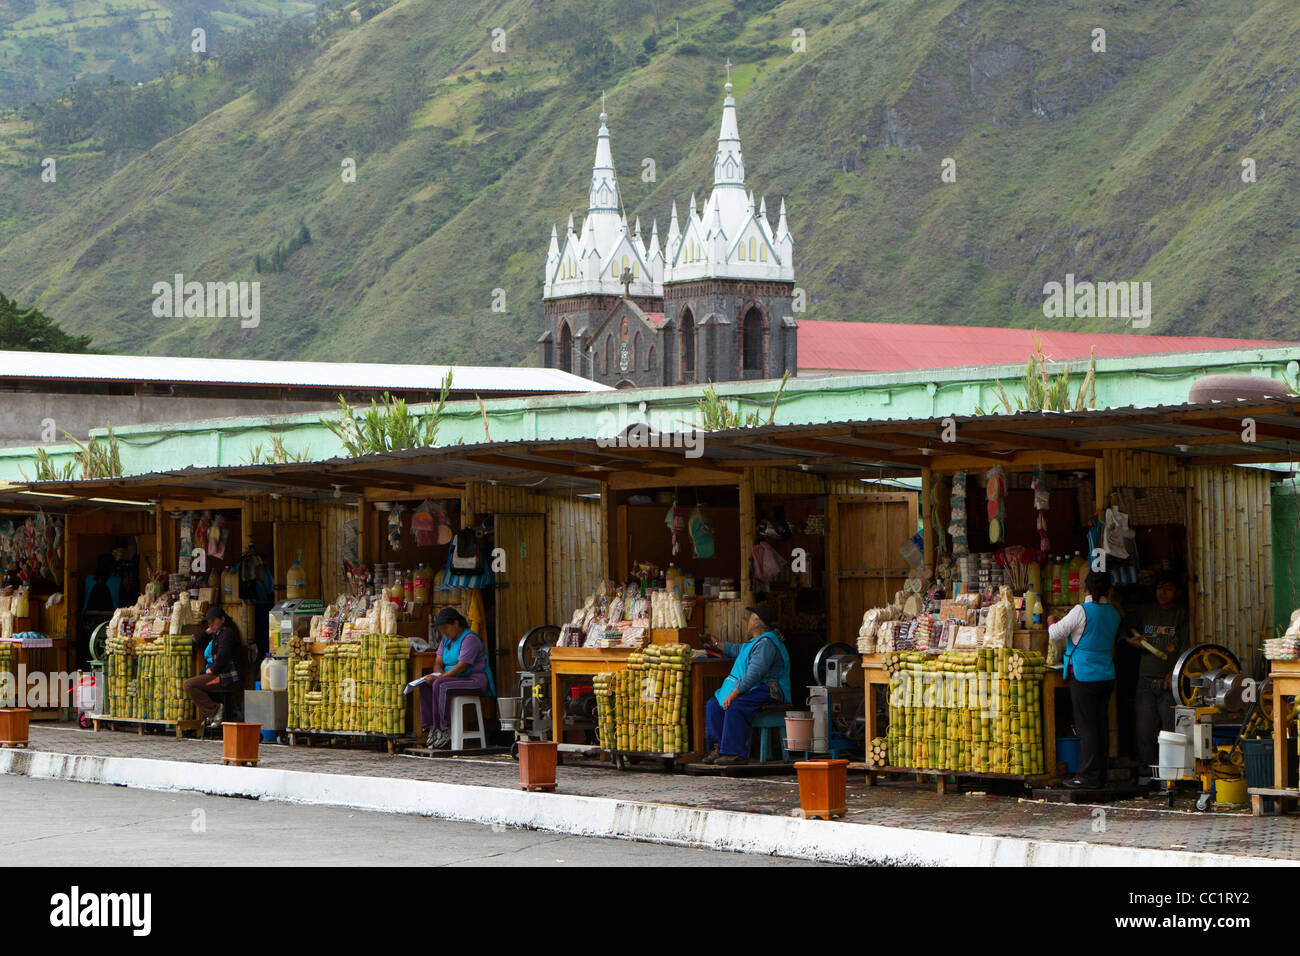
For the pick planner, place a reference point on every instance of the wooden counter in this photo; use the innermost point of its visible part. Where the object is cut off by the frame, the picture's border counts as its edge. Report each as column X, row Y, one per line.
column 1286, row 683
column 587, row 661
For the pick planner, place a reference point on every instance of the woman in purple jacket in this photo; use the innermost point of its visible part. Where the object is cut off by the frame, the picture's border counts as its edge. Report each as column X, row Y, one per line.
column 461, row 670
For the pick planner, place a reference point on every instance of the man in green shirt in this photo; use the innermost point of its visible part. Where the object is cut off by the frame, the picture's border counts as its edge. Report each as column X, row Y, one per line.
column 1161, row 632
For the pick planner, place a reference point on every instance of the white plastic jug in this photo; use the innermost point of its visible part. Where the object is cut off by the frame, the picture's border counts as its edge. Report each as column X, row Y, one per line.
column 275, row 673
column 1175, row 756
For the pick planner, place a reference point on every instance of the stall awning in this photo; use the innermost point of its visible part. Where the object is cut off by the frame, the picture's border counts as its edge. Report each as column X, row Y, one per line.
column 1216, row 433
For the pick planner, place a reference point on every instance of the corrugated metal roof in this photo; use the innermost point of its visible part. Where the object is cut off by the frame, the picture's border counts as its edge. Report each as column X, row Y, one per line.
column 1188, row 434
column 885, row 347
column 59, row 366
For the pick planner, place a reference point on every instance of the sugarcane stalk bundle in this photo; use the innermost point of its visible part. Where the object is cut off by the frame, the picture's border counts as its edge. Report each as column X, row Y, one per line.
column 878, row 752
column 965, row 711
column 643, row 707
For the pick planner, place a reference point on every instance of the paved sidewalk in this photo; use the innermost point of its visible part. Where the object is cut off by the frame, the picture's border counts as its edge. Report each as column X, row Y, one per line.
column 1139, row 823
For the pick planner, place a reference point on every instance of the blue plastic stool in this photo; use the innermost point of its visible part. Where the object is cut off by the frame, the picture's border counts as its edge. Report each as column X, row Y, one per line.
column 773, row 720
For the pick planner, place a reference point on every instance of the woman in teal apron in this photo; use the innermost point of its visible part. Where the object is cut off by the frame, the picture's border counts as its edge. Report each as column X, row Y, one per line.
column 760, row 676
column 1089, row 632
column 462, row 671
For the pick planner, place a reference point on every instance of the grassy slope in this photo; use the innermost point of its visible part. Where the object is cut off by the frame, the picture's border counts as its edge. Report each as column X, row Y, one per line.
column 1116, row 166
column 43, row 44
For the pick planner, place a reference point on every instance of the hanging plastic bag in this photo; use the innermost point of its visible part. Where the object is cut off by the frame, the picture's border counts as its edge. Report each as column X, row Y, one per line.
column 701, row 534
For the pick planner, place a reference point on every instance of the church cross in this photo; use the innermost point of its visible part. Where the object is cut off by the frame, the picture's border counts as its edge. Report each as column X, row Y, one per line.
column 602, row 101
column 728, row 65
column 626, row 279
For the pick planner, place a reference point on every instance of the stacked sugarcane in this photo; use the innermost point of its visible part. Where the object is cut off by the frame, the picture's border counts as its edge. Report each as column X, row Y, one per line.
column 353, row 687
column 965, row 711
column 1019, row 711
column 878, row 752
column 8, row 676
column 162, row 667
column 304, row 690
column 120, row 672
column 605, row 688
column 650, row 700
column 384, row 710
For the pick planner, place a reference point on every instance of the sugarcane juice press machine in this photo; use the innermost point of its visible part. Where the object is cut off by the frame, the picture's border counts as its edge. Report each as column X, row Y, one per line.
column 1207, row 685
column 529, row 714
column 837, row 700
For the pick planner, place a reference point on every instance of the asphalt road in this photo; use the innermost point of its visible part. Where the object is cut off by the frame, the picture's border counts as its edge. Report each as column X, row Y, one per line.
column 54, row 823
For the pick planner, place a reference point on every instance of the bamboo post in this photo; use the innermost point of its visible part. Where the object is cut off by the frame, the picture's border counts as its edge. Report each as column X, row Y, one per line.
column 747, row 524
column 928, row 516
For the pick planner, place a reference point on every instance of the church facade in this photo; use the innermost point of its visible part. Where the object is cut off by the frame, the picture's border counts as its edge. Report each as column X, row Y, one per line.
column 712, row 303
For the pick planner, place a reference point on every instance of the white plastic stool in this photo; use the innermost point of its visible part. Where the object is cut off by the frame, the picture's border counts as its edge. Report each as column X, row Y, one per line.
column 458, row 734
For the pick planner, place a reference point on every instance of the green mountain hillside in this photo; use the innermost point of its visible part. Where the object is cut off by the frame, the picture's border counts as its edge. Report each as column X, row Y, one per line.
column 45, row 43
column 1122, row 165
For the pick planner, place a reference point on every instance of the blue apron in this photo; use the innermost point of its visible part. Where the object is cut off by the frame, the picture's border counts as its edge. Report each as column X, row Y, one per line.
column 451, row 657
column 1093, row 658
column 742, row 663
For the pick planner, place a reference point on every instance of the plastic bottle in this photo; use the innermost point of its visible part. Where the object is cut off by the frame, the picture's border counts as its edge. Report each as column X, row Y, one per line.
column 1078, row 571
column 1036, row 578
column 1063, row 572
column 1054, row 580
column 295, row 580
column 408, row 587
column 1038, row 611
column 688, row 589
column 1031, row 599
column 423, row 578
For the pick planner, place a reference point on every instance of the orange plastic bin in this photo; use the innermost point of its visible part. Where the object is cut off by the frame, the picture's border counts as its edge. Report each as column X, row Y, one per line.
column 822, row 787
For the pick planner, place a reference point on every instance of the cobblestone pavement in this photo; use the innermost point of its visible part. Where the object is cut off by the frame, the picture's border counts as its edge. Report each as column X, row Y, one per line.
column 1142, row 822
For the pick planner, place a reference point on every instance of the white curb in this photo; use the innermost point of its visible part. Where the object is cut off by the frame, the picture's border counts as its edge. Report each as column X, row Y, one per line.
column 830, row 842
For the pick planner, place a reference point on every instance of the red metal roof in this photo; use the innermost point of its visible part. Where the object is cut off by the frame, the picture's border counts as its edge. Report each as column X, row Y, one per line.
column 894, row 347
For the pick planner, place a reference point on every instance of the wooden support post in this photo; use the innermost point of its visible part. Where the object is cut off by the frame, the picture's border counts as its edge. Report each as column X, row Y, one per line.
column 747, row 525
column 928, row 516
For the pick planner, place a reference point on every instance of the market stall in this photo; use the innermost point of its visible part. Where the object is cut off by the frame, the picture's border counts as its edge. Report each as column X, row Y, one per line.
column 33, row 611
column 150, row 649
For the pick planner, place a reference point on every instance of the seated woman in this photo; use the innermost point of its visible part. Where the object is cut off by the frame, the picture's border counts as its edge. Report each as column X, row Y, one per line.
column 760, row 676
column 224, row 654
column 461, row 670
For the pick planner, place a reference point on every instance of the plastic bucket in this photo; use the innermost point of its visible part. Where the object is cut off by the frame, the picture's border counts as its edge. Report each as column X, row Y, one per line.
column 1067, row 752
column 1259, row 762
column 268, row 736
column 798, row 731
column 1173, row 756
column 1230, row 791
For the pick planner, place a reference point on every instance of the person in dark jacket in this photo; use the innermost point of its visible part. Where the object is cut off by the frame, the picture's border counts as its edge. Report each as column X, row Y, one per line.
column 224, row 653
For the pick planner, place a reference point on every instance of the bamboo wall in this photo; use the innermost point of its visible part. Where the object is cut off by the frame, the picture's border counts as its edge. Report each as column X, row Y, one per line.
column 1231, row 544
column 1229, row 541
column 331, row 517
column 574, row 550
column 1128, row 469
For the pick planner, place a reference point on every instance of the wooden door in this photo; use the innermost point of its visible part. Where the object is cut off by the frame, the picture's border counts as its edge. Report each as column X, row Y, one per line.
column 520, row 590
column 290, row 538
column 865, row 567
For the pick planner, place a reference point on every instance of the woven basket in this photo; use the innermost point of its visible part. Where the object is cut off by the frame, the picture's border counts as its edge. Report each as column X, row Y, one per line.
column 1148, row 506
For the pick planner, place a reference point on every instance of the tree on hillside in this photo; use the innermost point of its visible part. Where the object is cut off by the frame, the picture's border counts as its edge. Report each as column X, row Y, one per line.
column 27, row 330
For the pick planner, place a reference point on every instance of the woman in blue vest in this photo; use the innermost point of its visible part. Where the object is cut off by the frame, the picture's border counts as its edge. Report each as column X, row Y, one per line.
column 461, row 670
column 1090, row 631
column 760, row 676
